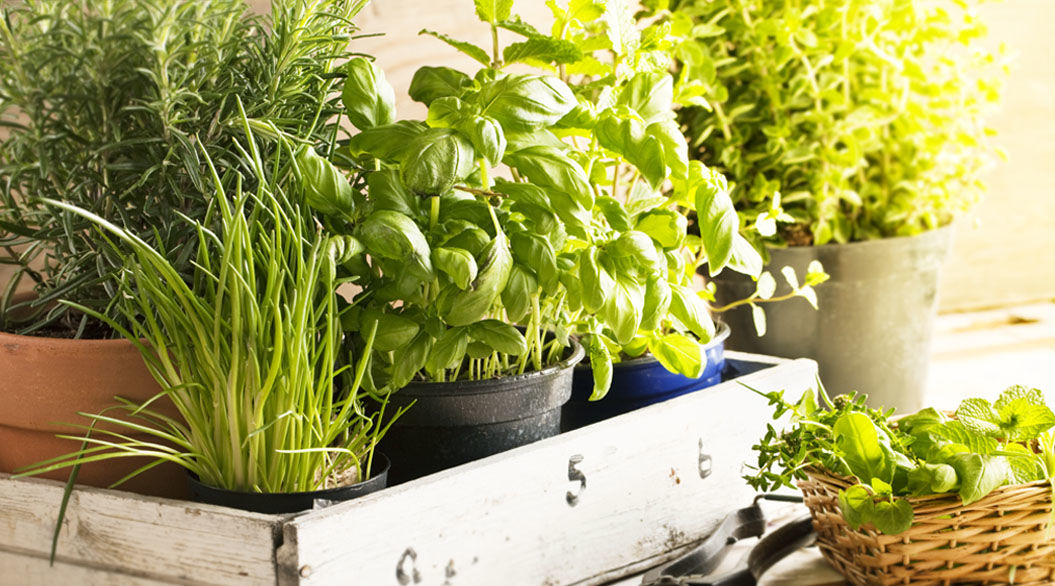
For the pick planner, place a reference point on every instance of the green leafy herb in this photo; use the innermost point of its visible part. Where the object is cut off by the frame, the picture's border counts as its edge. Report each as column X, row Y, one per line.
column 920, row 454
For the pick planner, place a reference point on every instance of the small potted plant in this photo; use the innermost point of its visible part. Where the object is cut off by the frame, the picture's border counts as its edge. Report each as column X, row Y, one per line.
column 853, row 134
column 935, row 497
column 250, row 351
column 109, row 107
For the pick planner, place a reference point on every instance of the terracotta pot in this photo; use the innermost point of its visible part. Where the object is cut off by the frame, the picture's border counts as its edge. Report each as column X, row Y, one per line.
column 44, row 382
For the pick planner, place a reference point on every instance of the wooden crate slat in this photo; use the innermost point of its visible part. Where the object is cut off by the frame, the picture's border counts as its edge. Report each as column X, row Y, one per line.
column 124, row 532
column 21, row 570
column 506, row 519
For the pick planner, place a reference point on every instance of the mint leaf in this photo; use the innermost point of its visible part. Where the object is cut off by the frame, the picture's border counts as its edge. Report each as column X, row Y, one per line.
column 493, row 11
column 957, row 432
column 892, row 517
column 469, row 49
column 542, row 49
column 1023, row 413
column 979, row 416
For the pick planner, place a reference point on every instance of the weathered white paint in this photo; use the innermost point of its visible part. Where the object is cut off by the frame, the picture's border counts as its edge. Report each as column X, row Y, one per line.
column 507, row 520
column 501, row 520
column 108, row 531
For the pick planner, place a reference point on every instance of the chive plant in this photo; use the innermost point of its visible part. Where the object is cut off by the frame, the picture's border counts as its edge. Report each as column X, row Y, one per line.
column 249, row 349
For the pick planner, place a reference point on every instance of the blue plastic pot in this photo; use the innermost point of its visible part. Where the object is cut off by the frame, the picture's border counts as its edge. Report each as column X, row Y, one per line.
column 637, row 383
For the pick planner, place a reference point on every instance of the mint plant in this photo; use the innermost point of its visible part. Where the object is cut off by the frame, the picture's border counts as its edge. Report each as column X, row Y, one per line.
column 842, row 121
column 983, row 446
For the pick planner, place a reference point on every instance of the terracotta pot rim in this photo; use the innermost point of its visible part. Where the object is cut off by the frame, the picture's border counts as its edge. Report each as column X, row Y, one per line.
column 80, row 343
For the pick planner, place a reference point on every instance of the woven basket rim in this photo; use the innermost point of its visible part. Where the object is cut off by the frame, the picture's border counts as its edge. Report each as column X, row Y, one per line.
column 824, row 475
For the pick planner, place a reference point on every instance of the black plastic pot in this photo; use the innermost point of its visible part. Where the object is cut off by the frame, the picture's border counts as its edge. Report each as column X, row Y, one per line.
column 638, row 383
column 872, row 332
column 290, row 502
column 458, row 422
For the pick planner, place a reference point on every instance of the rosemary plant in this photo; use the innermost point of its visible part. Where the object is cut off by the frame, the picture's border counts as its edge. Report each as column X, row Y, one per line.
column 248, row 350
column 108, row 106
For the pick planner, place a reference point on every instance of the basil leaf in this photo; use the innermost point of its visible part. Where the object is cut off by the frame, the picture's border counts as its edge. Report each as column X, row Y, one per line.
column 531, row 250
column 690, row 310
column 394, row 236
column 639, row 248
column 487, row 137
column 518, row 292
column 651, row 95
column 717, row 216
column 526, row 102
column 622, row 309
column 600, row 365
column 386, row 192
column 657, row 302
column 465, row 307
column 394, row 332
column 675, row 149
column 613, row 211
column 411, row 360
column 500, row 336
column 457, row 263
column 679, row 353
column 596, row 281
column 387, row 143
column 550, row 168
column 435, row 160
column 326, row 189
column 666, row 227
column 432, row 83
column 369, row 100
column 448, row 351
column 627, row 137
column 448, row 112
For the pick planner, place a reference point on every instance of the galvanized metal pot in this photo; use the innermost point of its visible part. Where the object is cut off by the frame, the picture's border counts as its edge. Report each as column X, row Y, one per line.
column 873, row 330
column 457, row 422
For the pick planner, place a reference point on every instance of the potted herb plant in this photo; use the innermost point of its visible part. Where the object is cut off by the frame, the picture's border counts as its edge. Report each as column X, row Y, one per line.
column 852, row 133
column 109, row 107
column 249, row 350
column 893, row 498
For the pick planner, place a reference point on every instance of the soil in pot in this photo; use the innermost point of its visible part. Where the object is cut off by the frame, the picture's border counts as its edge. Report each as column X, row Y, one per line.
column 290, row 502
column 457, row 422
column 637, row 383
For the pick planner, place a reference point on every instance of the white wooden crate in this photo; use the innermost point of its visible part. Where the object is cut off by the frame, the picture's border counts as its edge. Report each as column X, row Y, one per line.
column 585, row 507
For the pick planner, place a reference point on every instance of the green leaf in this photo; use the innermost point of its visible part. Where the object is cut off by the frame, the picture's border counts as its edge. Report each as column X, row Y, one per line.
column 932, row 478
column 622, row 309
column 432, row 83
column 522, row 102
column 448, row 351
column 519, row 290
column 894, row 517
column 465, row 307
column 469, row 49
column 675, row 149
column 386, row 192
column 979, row 474
column 858, row 443
column 411, row 360
column 326, row 189
column 394, row 332
column 1023, row 414
column 717, row 216
column 657, row 302
column 457, row 263
column 535, row 252
column 978, row 416
column 448, row 112
column 500, row 336
column 758, row 319
column 650, row 94
column 627, row 137
column 550, row 168
column 600, row 365
column 1025, row 466
column 596, row 282
column 679, row 353
column 620, row 28
column 542, row 49
column 387, row 143
column 493, row 11
column 692, row 311
column 666, row 227
column 745, row 258
column 639, row 248
column 487, row 137
column 857, row 505
column 436, row 160
column 368, row 98
column 394, row 236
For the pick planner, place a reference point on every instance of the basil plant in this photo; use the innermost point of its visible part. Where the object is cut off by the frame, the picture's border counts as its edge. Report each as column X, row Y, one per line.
column 556, row 197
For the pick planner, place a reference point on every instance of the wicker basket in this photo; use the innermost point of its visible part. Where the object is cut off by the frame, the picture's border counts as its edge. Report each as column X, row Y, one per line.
column 1001, row 539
